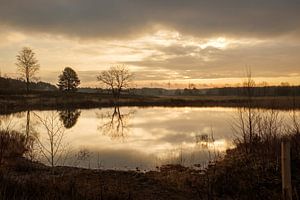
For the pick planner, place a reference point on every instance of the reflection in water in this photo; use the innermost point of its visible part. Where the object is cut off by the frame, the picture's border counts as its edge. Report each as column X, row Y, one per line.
column 7, row 122
column 115, row 124
column 69, row 117
column 15, row 142
column 27, row 129
column 30, row 134
column 157, row 135
column 203, row 140
column 205, row 149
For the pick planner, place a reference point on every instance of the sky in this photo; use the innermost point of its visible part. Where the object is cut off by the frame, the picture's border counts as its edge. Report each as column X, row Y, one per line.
column 163, row 42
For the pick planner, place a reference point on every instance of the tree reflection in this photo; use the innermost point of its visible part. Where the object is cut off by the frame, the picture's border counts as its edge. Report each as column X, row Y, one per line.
column 27, row 129
column 14, row 140
column 207, row 144
column 30, row 135
column 115, row 123
column 69, row 117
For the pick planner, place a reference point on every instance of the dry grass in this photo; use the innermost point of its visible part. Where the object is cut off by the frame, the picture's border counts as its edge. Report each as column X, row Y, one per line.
column 12, row 144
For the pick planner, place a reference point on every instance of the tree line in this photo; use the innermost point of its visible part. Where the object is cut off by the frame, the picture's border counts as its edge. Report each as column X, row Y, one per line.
column 116, row 78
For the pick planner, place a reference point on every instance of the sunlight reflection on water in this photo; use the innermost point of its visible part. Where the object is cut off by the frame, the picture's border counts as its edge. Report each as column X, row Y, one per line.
column 130, row 137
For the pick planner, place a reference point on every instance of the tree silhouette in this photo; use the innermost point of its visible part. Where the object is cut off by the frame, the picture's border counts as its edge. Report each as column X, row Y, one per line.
column 68, row 80
column 50, row 143
column 27, row 65
column 69, row 117
column 116, row 79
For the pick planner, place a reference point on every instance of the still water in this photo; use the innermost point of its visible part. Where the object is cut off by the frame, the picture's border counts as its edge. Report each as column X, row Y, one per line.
column 127, row 137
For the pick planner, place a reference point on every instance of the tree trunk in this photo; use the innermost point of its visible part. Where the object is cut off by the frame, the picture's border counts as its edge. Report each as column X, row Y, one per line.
column 27, row 85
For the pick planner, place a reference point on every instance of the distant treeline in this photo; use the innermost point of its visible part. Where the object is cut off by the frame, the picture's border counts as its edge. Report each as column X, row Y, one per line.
column 227, row 91
column 256, row 91
column 13, row 85
column 9, row 85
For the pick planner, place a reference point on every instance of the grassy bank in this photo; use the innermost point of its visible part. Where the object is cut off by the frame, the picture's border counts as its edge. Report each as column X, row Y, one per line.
column 33, row 181
column 237, row 176
column 23, row 179
column 56, row 100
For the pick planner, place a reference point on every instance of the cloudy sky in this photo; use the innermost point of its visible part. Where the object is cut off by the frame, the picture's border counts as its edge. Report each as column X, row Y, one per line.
column 178, row 41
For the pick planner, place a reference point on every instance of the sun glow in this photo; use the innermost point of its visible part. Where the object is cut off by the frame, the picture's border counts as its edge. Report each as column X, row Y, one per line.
column 220, row 43
column 167, row 38
column 165, row 58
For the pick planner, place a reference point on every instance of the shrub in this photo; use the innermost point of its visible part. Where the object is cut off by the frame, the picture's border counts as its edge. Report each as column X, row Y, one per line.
column 12, row 144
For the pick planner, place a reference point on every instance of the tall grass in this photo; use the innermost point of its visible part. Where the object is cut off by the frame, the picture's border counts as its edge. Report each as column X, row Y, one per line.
column 252, row 170
column 12, row 144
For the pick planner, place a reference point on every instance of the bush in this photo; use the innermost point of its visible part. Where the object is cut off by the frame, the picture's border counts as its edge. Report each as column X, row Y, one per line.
column 12, row 144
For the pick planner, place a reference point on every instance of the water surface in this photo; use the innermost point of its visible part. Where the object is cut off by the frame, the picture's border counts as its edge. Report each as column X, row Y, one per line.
column 128, row 137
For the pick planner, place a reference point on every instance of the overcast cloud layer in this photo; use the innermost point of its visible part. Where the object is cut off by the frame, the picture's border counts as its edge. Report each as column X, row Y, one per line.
column 120, row 18
column 159, row 39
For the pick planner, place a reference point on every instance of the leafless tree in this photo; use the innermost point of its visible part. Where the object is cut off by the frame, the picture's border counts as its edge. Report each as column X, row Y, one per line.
column 262, row 126
column 249, row 85
column 27, row 65
column 116, row 79
column 253, row 125
column 51, row 144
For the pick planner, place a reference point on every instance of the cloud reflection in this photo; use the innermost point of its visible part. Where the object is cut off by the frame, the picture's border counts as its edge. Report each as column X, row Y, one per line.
column 151, row 136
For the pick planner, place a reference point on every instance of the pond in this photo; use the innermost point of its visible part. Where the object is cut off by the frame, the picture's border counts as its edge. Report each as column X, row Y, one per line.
column 129, row 137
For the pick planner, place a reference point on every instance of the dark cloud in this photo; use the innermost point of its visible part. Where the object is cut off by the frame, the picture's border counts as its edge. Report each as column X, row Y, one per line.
column 122, row 18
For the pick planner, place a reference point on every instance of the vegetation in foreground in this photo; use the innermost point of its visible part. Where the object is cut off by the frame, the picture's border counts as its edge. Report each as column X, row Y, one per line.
column 252, row 170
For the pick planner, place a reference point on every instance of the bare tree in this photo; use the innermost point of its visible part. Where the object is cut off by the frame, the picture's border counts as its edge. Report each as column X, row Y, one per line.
column 249, row 85
column 27, row 65
column 116, row 79
column 51, row 144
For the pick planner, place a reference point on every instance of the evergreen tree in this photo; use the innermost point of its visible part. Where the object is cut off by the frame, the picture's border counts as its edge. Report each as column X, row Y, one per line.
column 68, row 80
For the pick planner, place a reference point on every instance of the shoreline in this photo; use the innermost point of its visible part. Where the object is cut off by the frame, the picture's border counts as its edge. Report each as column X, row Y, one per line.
column 81, row 183
column 17, row 103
